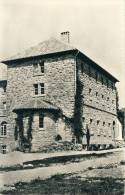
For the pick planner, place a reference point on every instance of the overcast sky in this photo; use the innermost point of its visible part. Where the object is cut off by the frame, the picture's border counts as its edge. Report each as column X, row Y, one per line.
column 96, row 28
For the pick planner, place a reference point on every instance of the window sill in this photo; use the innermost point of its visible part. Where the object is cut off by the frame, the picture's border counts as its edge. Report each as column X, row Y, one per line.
column 41, row 95
column 39, row 74
column 41, row 129
column 3, row 136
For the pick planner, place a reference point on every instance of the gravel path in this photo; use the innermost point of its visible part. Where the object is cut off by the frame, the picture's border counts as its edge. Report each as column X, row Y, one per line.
column 11, row 177
column 15, row 158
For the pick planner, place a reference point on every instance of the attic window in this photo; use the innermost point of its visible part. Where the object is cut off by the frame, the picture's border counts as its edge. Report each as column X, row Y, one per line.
column 38, row 67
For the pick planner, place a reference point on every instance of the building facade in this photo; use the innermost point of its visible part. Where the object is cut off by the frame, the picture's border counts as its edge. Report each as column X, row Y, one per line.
column 52, row 92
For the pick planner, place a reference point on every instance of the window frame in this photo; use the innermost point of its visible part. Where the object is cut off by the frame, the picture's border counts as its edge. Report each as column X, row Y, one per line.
column 3, row 129
column 39, row 90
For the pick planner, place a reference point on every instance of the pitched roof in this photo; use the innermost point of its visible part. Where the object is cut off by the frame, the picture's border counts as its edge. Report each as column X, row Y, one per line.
column 51, row 45
column 35, row 104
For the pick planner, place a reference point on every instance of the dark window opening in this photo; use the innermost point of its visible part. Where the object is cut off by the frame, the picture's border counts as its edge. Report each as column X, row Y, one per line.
column 90, row 90
column 42, row 88
column 41, row 120
column 41, row 65
column 109, row 124
column 91, row 121
column 103, row 123
column 96, row 93
column 98, row 122
column 3, row 149
column 58, row 138
column 36, row 89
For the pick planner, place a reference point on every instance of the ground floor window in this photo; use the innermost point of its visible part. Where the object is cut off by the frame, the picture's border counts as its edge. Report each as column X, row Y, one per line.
column 41, row 121
column 3, row 128
column 3, row 149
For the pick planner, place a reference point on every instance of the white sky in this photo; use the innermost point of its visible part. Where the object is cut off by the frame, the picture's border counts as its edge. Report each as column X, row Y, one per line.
column 96, row 27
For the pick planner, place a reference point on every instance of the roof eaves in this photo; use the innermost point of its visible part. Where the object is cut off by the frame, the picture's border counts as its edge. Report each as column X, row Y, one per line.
column 98, row 66
column 38, row 56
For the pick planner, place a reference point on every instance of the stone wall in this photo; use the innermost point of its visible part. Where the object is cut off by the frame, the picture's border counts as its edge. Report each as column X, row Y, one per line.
column 47, row 135
column 99, row 103
column 59, row 89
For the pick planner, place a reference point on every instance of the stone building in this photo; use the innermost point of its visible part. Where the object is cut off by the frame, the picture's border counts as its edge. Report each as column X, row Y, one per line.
column 54, row 91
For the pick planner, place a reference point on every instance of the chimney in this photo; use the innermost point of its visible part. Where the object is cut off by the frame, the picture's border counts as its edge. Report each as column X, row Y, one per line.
column 65, row 37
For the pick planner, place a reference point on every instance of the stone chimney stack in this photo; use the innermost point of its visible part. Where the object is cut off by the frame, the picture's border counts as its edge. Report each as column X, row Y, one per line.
column 65, row 37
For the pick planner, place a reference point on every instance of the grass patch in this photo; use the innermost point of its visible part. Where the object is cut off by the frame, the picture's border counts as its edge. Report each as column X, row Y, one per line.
column 62, row 184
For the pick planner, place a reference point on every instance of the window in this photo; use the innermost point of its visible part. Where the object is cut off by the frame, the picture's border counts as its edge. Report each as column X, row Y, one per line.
column 83, row 119
column 4, row 105
column 38, row 67
column 90, row 90
column 36, row 89
column 42, row 88
column 109, row 124
column 91, row 121
column 98, row 121
column 103, row 123
column 102, row 96
column 3, row 149
column 41, row 121
column 39, row 89
column 3, row 128
column 107, row 98
column 96, row 93
column 113, row 101
column 4, row 89
column 96, row 76
column 41, row 66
